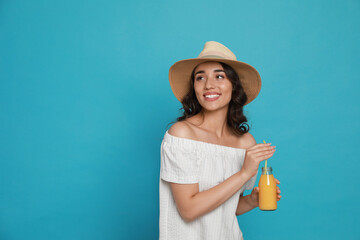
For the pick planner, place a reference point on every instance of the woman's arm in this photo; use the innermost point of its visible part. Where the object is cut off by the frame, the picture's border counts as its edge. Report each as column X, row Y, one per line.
column 192, row 204
column 245, row 204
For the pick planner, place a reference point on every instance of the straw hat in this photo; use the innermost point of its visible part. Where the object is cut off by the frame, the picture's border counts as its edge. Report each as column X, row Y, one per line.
column 180, row 72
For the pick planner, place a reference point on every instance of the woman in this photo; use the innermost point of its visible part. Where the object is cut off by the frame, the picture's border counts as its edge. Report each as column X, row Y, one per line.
column 208, row 157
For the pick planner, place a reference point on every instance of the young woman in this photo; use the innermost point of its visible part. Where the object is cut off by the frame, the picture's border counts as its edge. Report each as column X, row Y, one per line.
column 208, row 157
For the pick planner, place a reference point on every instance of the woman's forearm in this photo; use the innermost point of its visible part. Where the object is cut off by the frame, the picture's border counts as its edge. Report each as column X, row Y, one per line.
column 245, row 204
column 206, row 201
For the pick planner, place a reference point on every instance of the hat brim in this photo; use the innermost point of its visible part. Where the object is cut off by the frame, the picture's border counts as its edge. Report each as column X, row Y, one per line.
column 180, row 73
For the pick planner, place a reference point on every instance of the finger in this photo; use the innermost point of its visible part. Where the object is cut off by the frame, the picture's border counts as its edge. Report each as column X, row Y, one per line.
column 264, row 153
column 259, row 146
column 264, row 156
column 277, row 181
column 278, row 190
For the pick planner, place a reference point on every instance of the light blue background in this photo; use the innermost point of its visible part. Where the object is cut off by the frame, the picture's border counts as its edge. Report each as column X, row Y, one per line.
column 85, row 101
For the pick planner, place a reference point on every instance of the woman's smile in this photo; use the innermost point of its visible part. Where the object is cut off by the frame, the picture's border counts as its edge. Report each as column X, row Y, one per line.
column 211, row 96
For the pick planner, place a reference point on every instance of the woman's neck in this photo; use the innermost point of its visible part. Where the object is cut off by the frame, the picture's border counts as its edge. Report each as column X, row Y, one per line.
column 215, row 122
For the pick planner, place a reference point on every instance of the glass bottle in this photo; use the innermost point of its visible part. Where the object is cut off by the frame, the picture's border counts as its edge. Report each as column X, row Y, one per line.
column 267, row 190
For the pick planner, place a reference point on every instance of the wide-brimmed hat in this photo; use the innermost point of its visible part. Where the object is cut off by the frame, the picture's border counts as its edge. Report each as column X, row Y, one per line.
column 180, row 72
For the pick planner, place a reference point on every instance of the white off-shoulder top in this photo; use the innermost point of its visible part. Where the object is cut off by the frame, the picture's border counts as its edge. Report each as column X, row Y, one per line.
column 187, row 161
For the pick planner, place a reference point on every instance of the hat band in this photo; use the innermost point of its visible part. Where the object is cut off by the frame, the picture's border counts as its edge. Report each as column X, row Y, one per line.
column 212, row 56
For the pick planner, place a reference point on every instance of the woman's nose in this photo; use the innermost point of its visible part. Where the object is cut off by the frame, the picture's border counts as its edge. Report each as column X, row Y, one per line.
column 209, row 83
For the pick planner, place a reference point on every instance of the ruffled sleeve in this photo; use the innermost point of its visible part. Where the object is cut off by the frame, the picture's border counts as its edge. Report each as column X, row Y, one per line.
column 179, row 162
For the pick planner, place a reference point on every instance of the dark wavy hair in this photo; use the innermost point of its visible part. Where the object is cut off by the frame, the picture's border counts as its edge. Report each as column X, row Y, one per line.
column 236, row 119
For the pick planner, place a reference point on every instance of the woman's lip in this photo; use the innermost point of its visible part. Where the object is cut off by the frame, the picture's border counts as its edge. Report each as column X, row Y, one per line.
column 211, row 93
column 211, row 99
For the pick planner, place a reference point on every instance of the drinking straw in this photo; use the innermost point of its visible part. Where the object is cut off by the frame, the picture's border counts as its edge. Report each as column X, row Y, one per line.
column 265, row 162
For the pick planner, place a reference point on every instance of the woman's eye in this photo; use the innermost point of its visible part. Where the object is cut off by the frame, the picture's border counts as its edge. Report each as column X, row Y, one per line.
column 199, row 77
column 220, row 76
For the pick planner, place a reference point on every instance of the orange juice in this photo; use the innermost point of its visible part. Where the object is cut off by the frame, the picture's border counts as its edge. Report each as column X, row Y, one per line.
column 267, row 190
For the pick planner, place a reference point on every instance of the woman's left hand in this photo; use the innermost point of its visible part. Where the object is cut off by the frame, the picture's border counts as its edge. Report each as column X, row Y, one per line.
column 254, row 196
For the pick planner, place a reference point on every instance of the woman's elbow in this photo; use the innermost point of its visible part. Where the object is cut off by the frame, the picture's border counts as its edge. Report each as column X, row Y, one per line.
column 187, row 215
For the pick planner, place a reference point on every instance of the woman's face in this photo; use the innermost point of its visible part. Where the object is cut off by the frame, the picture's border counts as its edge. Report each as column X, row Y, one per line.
column 212, row 87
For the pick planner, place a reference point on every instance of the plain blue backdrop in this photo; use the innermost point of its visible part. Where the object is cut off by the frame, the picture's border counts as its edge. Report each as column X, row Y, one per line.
column 85, row 102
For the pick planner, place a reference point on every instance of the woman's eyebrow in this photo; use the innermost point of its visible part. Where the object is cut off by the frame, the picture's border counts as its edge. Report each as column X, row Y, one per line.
column 216, row 70
column 201, row 71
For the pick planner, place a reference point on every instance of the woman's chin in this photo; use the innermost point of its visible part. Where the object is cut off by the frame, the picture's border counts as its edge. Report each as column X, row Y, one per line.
column 210, row 108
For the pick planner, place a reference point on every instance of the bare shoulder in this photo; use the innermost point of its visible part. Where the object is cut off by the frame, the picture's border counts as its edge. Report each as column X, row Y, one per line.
column 247, row 140
column 181, row 129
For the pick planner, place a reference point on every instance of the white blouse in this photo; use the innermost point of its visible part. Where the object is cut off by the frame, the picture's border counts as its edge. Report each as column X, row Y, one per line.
column 188, row 161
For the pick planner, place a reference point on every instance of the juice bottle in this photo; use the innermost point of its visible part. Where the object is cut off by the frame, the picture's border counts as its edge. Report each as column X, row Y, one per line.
column 267, row 190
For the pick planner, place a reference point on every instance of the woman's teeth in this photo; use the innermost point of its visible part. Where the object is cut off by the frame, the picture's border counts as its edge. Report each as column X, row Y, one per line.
column 211, row 96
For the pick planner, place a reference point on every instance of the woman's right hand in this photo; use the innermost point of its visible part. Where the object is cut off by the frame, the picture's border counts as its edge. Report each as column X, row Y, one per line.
column 254, row 155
